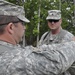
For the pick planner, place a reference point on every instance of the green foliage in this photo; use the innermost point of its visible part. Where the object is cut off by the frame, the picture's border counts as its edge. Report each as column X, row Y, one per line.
column 32, row 10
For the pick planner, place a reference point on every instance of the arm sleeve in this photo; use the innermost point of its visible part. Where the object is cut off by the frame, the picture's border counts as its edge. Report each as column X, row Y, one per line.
column 68, row 37
column 46, row 60
column 51, row 59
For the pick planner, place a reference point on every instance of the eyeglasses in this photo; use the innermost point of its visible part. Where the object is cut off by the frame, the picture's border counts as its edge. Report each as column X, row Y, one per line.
column 22, row 22
column 51, row 20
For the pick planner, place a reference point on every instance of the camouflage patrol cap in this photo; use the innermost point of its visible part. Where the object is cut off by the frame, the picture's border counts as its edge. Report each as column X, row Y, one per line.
column 54, row 14
column 10, row 9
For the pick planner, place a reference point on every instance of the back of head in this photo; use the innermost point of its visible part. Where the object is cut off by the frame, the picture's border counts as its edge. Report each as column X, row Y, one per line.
column 54, row 14
column 9, row 9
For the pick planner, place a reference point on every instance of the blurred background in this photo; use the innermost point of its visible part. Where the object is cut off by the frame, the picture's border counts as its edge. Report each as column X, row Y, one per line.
column 37, row 10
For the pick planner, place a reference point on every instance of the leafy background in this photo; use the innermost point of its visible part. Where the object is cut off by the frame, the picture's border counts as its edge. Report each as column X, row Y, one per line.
column 37, row 10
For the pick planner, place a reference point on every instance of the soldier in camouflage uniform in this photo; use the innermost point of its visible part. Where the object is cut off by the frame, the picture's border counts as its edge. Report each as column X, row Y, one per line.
column 14, row 60
column 57, row 34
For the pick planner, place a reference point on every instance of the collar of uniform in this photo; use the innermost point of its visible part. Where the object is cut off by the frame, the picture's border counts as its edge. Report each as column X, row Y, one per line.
column 8, row 44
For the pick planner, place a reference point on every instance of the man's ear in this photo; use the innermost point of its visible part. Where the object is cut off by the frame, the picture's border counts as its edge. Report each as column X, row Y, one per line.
column 60, row 21
column 10, row 27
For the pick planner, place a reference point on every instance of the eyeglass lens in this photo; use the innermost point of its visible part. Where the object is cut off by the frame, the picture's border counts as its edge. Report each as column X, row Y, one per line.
column 53, row 21
column 22, row 22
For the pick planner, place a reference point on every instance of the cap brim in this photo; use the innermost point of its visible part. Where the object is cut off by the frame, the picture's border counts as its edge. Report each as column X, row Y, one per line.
column 53, row 18
column 23, row 18
column 12, row 10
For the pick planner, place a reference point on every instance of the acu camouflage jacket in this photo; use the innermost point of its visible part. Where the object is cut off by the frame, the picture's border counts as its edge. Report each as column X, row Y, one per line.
column 46, row 60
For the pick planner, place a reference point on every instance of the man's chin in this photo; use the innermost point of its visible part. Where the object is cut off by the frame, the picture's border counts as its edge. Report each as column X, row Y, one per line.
column 53, row 28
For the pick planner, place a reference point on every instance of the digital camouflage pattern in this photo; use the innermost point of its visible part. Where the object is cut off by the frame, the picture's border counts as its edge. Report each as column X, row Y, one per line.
column 54, row 14
column 45, row 60
column 7, row 8
column 62, row 37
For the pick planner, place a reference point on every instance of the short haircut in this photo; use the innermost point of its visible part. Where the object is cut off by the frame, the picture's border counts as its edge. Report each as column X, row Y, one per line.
column 4, row 20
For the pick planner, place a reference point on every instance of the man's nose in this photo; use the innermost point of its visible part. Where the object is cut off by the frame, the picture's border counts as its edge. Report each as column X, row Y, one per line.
column 52, row 22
